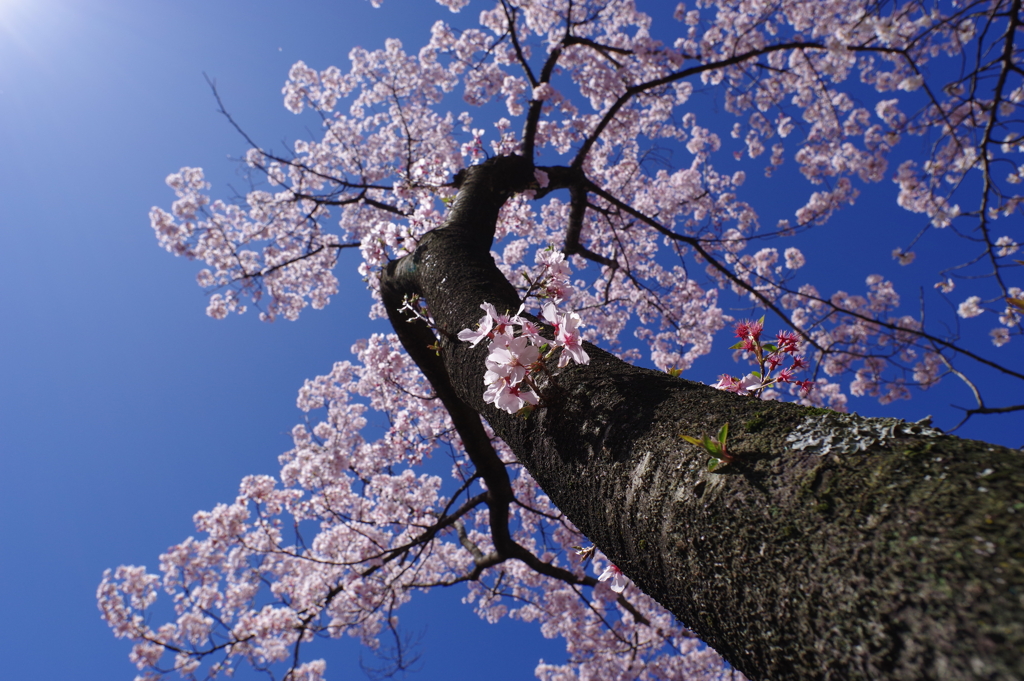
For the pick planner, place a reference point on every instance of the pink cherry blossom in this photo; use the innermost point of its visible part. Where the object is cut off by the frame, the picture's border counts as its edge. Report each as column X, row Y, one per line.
column 506, row 394
column 567, row 335
column 618, row 580
column 512, row 357
column 741, row 386
column 903, row 258
column 483, row 329
column 1000, row 336
column 794, row 258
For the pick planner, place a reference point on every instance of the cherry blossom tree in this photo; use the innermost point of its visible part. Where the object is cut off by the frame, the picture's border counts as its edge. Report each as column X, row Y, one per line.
column 816, row 544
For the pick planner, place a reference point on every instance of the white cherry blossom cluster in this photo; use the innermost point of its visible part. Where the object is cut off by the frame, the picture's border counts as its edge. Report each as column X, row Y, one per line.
column 1010, row 316
column 863, row 337
column 277, row 249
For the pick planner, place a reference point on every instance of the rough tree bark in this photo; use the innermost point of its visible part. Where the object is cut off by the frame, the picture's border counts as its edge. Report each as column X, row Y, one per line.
column 837, row 547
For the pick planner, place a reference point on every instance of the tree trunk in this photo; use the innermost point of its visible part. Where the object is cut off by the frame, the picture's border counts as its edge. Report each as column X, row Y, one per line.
column 836, row 547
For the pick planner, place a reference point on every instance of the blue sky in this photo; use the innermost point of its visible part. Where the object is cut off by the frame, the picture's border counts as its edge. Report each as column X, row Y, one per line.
column 123, row 408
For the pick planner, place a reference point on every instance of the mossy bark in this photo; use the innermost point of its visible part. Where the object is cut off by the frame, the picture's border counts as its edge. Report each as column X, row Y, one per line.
column 799, row 561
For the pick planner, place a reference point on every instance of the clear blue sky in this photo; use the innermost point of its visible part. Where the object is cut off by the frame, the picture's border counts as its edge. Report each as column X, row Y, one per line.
column 123, row 408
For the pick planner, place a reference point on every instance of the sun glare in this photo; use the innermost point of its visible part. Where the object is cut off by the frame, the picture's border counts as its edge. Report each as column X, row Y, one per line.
column 7, row 7
column 12, row 12
column 27, row 27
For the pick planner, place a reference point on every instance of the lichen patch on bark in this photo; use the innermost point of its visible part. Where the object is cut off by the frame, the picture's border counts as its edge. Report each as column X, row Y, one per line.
column 835, row 433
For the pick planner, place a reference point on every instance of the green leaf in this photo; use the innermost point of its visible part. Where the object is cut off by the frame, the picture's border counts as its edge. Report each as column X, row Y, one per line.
column 714, row 464
column 723, row 433
column 738, row 345
column 692, row 440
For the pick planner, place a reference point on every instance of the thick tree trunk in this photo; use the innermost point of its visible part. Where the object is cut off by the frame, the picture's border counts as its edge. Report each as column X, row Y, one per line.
column 837, row 547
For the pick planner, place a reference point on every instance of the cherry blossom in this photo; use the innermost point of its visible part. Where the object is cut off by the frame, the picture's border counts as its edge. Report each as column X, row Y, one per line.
column 618, row 580
column 1007, row 246
column 567, row 335
column 769, row 357
column 970, row 308
column 904, row 258
column 741, row 386
column 486, row 327
column 794, row 258
column 506, row 394
column 514, row 359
